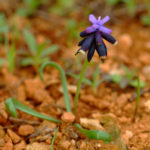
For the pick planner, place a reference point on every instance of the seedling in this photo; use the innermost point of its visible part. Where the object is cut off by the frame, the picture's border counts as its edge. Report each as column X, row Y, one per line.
column 145, row 18
column 125, row 80
column 10, row 55
column 13, row 104
column 29, row 7
column 38, row 54
column 62, row 7
column 130, row 4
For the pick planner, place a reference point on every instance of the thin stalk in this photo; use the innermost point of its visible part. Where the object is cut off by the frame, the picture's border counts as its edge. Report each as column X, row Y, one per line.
column 79, row 84
column 138, row 97
column 53, row 140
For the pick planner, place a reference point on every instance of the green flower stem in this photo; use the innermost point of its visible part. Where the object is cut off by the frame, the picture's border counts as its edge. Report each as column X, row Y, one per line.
column 79, row 84
column 63, row 79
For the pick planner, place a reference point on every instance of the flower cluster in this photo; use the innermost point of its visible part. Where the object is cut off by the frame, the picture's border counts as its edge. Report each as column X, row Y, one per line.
column 93, row 38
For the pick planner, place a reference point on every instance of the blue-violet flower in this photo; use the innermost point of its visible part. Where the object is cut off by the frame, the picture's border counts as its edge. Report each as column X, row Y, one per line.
column 93, row 38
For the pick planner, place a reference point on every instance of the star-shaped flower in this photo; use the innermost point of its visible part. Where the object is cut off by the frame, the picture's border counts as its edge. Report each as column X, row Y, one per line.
column 93, row 38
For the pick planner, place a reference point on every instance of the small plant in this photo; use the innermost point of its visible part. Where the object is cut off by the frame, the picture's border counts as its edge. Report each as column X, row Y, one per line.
column 62, row 7
column 145, row 18
column 10, row 55
column 38, row 54
column 29, row 7
column 93, row 39
column 125, row 80
column 72, row 26
column 130, row 4
column 3, row 24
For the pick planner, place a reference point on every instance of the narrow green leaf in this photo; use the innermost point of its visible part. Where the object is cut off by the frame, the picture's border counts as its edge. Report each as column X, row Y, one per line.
column 11, row 54
column 116, row 78
column 30, row 41
column 11, row 107
column 63, row 79
column 13, row 104
column 86, row 81
column 53, row 140
column 27, row 61
column 49, row 50
column 40, row 48
column 94, row 134
column 134, row 83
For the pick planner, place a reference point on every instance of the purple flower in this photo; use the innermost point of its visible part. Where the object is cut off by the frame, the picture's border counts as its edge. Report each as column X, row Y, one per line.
column 93, row 37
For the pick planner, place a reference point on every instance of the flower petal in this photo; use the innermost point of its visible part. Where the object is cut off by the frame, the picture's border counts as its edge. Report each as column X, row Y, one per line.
column 95, row 26
column 88, row 42
column 99, row 18
column 108, row 37
column 98, row 38
column 104, row 20
column 90, row 29
column 84, row 33
column 101, row 50
column 81, row 42
column 92, row 19
column 91, row 52
column 104, row 29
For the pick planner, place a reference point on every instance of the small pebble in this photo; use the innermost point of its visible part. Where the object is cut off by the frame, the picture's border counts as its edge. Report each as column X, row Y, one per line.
column 14, row 137
column 25, row 130
column 20, row 146
column 68, row 117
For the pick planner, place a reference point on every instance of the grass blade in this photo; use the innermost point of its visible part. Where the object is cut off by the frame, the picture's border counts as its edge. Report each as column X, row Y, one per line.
column 30, row 41
column 94, row 134
column 63, row 79
column 13, row 104
column 86, row 81
column 53, row 140
column 51, row 49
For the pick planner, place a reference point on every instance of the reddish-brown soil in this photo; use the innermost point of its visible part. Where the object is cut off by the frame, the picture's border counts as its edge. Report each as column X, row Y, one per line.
column 110, row 105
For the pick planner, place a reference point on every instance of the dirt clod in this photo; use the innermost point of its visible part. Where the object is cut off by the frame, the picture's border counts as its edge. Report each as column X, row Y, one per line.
column 20, row 146
column 37, row 146
column 127, row 136
column 91, row 124
column 14, row 137
column 25, row 130
column 68, row 117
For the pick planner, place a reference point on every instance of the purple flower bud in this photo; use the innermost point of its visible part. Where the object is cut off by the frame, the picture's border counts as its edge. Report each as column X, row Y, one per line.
column 84, row 33
column 87, row 43
column 101, row 50
column 81, row 42
column 91, row 52
column 98, row 38
column 93, row 38
column 108, row 37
